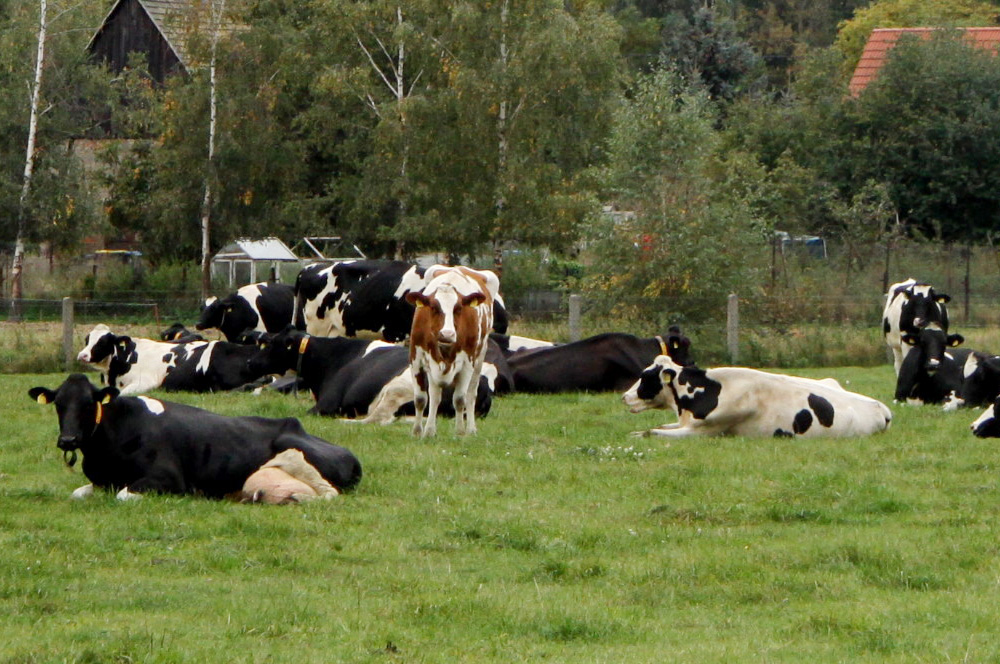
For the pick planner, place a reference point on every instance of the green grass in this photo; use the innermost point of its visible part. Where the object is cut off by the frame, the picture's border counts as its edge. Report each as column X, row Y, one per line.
column 551, row 535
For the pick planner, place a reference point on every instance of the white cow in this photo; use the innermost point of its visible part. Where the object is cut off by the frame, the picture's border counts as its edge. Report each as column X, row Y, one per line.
column 746, row 402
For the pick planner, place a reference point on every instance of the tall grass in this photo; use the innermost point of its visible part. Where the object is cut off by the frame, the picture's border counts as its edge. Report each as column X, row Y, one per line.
column 551, row 535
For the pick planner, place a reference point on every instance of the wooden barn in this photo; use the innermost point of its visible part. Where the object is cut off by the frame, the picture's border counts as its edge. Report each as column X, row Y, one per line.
column 160, row 29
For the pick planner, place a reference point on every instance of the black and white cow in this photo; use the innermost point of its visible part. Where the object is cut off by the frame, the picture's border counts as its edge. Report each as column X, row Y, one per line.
column 213, row 367
column 602, row 363
column 267, row 307
column 135, row 445
column 910, row 306
column 178, row 333
column 347, row 376
column 745, row 402
column 510, row 344
column 980, row 380
column 132, row 364
column 932, row 369
column 347, row 297
column 987, row 425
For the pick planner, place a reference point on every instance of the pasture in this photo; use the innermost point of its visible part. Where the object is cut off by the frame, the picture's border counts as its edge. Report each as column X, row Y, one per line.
column 551, row 535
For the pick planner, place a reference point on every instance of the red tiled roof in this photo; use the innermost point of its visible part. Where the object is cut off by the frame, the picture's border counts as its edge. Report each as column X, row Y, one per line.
column 882, row 40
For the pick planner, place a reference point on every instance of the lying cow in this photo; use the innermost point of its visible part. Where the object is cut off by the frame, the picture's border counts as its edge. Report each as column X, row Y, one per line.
column 602, row 363
column 448, row 340
column 348, row 376
column 909, row 307
column 746, row 402
column 133, row 365
column 987, row 425
column 215, row 366
column 178, row 333
column 981, row 380
column 135, row 445
column 267, row 307
column 287, row 478
column 347, row 297
column 932, row 369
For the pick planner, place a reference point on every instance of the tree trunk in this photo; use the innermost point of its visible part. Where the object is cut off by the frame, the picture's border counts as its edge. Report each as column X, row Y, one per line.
column 503, row 145
column 206, row 204
column 17, row 265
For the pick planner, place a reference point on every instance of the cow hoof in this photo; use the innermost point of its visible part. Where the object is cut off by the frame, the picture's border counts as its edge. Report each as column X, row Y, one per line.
column 640, row 434
column 85, row 491
column 126, row 495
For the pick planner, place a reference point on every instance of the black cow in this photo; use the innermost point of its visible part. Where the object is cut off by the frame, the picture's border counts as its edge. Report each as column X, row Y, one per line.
column 606, row 362
column 267, row 307
column 214, row 367
column 909, row 307
column 347, row 297
column 178, row 333
column 931, row 373
column 347, row 376
column 135, row 445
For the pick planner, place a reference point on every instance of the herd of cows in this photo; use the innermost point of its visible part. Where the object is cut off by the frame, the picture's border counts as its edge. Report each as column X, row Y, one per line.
column 444, row 349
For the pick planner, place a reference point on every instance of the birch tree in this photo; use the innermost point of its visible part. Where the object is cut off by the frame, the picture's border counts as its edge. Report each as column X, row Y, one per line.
column 218, row 8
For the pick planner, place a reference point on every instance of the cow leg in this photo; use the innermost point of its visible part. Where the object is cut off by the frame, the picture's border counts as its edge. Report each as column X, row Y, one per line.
column 419, row 400
column 433, row 401
column 397, row 392
column 464, row 400
column 677, row 432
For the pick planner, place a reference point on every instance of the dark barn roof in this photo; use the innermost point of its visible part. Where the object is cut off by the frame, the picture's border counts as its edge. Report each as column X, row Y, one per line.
column 158, row 28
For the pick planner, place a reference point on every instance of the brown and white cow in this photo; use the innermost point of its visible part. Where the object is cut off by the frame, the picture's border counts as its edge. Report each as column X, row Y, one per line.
column 451, row 324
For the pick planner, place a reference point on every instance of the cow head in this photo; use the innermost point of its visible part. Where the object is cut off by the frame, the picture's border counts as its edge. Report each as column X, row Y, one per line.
column 79, row 406
column 678, row 346
column 929, row 346
column 446, row 317
column 923, row 306
column 179, row 333
column 651, row 390
column 987, row 425
column 278, row 353
column 99, row 346
column 230, row 315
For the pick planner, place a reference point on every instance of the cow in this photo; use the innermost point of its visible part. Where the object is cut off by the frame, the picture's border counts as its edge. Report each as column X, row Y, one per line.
column 454, row 313
column 980, row 380
column 603, row 363
column 910, row 306
column 930, row 372
column 213, row 367
column 346, row 376
column 137, row 445
column 510, row 344
column 987, row 425
column 348, row 297
column 178, row 333
column 268, row 307
column 133, row 365
column 287, row 478
column 746, row 402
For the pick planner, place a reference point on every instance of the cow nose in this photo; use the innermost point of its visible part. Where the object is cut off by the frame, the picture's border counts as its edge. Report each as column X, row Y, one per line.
column 68, row 442
column 917, row 321
column 84, row 356
column 446, row 336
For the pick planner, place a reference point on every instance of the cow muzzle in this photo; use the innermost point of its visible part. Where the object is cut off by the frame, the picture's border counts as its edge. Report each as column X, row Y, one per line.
column 68, row 443
column 83, row 356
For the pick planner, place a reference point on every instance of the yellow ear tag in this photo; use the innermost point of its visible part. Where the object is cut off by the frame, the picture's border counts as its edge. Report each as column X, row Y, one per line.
column 303, row 344
column 42, row 399
column 419, row 304
column 474, row 304
column 100, row 412
column 106, row 399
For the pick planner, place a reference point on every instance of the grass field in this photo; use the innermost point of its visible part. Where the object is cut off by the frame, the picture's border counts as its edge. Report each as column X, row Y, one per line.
column 551, row 535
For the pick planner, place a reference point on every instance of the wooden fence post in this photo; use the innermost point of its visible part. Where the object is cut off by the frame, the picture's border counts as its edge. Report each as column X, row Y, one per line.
column 575, row 308
column 733, row 327
column 67, row 337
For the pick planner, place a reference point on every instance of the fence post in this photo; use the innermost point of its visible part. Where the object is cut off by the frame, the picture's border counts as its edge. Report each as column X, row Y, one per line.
column 733, row 327
column 67, row 339
column 575, row 307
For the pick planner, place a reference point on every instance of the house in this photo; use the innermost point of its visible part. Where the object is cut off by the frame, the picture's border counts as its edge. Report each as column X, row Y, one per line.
column 882, row 40
column 162, row 30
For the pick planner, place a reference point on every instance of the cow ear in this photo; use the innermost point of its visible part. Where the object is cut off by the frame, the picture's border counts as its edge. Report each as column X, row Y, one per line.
column 955, row 340
column 417, row 299
column 210, row 301
column 473, row 300
column 909, row 339
column 122, row 341
column 941, row 298
column 42, row 395
column 106, row 395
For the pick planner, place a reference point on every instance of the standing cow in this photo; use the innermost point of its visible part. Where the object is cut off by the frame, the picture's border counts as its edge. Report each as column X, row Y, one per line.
column 265, row 307
column 910, row 306
column 454, row 314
